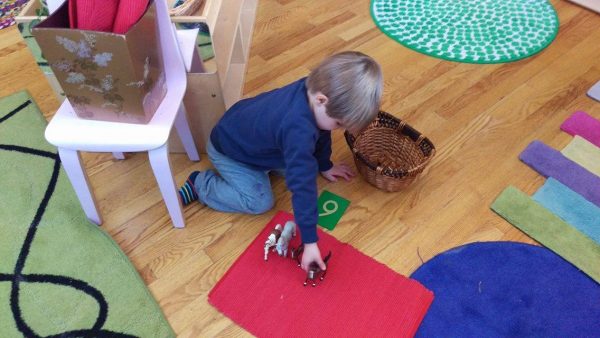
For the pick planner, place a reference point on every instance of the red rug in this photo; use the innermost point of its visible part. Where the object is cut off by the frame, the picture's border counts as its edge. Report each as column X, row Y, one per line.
column 359, row 296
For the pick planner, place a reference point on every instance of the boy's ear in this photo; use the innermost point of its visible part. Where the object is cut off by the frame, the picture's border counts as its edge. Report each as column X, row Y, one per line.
column 321, row 98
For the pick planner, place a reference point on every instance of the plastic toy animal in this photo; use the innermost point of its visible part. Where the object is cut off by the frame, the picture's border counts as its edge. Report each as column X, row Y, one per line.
column 272, row 239
column 289, row 231
column 295, row 253
column 313, row 270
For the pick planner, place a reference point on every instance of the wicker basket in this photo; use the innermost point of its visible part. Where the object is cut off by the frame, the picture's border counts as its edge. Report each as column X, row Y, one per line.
column 390, row 154
column 185, row 7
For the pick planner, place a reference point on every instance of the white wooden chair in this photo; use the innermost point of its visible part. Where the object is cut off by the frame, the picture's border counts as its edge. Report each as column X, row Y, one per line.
column 71, row 134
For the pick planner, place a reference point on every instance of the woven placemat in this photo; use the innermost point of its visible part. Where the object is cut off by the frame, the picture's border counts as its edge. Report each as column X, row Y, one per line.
column 359, row 297
column 471, row 31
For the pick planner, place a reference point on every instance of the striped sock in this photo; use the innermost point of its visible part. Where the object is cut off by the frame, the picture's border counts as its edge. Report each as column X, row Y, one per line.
column 188, row 192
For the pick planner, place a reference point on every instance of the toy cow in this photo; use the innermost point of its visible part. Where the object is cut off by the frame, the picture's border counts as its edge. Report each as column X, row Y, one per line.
column 313, row 270
column 289, row 231
column 272, row 239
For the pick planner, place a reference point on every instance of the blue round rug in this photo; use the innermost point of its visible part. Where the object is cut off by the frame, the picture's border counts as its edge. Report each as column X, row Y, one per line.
column 508, row 289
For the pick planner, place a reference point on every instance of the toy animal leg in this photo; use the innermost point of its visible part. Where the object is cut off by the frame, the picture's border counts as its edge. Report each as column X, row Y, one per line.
column 297, row 252
column 323, row 275
column 309, row 279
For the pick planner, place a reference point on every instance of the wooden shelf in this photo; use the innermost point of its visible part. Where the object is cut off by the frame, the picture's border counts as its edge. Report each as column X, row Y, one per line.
column 231, row 41
column 232, row 92
column 27, row 13
column 231, row 24
column 221, row 84
column 208, row 13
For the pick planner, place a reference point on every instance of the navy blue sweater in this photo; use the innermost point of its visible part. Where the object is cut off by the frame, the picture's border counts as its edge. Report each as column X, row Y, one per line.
column 278, row 130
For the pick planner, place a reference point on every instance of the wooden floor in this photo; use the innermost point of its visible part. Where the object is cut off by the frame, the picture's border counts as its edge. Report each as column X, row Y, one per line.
column 480, row 117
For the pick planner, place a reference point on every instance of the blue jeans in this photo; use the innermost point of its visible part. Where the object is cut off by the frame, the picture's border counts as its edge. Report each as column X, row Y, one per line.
column 236, row 188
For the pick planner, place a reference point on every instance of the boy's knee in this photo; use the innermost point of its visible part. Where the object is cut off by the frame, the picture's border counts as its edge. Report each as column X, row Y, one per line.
column 260, row 203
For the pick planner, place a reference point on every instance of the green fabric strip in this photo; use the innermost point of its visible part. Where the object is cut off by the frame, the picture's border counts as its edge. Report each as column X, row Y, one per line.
column 548, row 229
column 584, row 153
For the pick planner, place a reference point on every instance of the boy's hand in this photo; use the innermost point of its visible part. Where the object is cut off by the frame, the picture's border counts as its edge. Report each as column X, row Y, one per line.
column 338, row 170
column 312, row 254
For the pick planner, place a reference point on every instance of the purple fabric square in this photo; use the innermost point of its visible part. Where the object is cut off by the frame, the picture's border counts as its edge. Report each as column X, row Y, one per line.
column 551, row 163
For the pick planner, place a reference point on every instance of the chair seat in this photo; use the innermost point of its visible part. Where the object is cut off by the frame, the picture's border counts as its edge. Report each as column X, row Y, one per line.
column 67, row 130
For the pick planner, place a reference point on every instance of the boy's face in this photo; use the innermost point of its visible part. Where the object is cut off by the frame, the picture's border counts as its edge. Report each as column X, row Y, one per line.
column 318, row 103
column 327, row 123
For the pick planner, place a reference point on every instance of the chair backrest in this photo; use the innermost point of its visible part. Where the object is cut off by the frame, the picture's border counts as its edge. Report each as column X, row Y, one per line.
column 173, row 61
column 54, row 5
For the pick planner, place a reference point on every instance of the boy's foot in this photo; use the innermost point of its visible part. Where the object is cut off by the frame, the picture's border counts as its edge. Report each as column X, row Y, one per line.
column 187, row 192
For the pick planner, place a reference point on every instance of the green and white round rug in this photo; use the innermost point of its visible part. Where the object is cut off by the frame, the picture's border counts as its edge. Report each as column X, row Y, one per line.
column 471, row 31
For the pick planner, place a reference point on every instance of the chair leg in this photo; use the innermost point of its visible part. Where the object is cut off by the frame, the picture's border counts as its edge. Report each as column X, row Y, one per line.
column 71, row 162
column 159, row 160
column 185, row 134
column 119, row 156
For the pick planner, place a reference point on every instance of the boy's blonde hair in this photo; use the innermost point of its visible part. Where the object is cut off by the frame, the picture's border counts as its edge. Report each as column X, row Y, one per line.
column 353, row 84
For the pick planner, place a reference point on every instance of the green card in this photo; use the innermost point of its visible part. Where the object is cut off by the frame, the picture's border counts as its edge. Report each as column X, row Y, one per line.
column 331, row 209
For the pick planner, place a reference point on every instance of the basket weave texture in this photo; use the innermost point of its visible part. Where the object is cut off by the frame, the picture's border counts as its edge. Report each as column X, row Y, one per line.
column 389, row 153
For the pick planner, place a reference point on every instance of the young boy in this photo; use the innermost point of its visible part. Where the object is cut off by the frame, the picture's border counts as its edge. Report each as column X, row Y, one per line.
column 288, row 130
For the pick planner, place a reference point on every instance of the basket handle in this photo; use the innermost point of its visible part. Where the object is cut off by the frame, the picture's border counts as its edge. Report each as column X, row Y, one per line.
column 401, row 125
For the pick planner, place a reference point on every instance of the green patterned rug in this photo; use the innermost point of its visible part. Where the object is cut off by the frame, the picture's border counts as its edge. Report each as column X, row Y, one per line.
column 471, row 31
column 60, row 275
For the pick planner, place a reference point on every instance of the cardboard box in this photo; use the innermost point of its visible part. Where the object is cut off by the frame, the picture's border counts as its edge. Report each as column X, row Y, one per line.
column 106, row 76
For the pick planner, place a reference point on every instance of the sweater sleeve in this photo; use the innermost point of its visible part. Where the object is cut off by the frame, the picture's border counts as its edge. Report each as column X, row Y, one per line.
column 301, row 170
column 323, row 150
